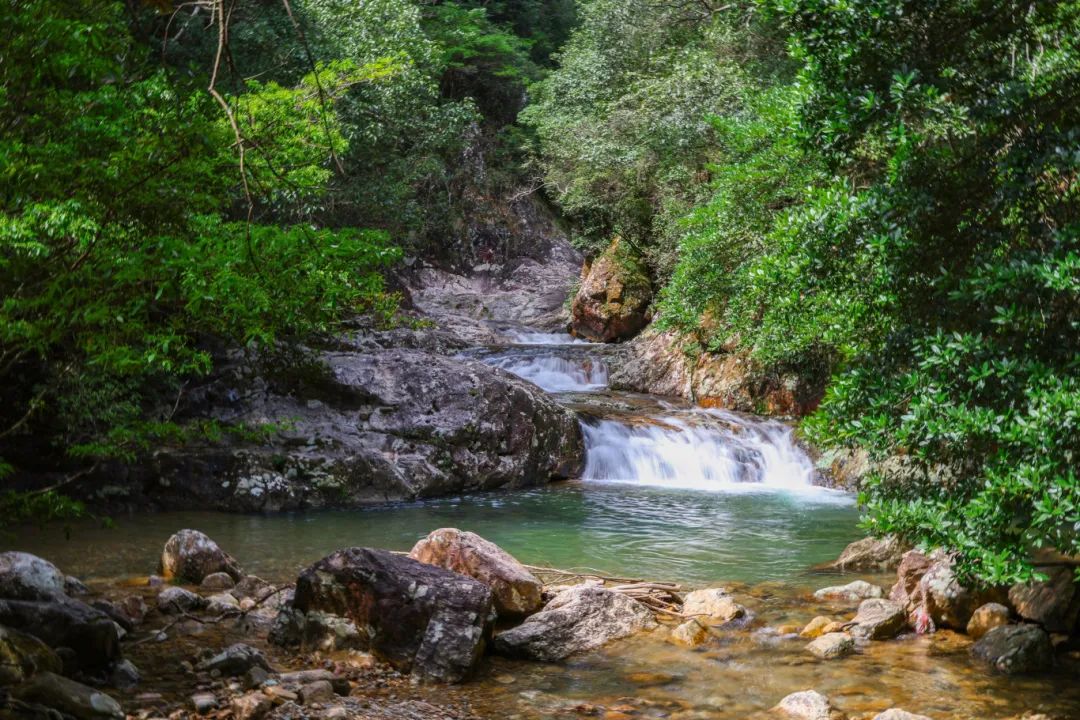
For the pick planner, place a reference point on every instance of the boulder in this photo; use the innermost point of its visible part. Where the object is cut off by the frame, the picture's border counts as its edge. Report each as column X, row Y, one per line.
column 932, row 595
column 91, row 635
column 878, row 619
column 870, row 554
column 514, row 589
column 897, row 714
column 189, row 556
column 27, row 577
column 174, row 600
column 1053, row 603
column 986, row 618
column 690, row 634
column 580, row 618
column 235, row 660
column 422, row 619
column 320, row 691
column 832, row 645
column 816, row 627
column 613, row 299
column 252, row 586
column 133, row 607
column 22, row 656
column 252, row 706
column 1015, row 649
column 217, row 582
column 805, row 705
column 124, row 675
column 69, row 697
column 856, row 590
column 74, row 587
column 712, row 605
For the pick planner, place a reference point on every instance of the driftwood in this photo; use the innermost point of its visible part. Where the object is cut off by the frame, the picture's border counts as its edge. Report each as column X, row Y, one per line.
column 662, row 598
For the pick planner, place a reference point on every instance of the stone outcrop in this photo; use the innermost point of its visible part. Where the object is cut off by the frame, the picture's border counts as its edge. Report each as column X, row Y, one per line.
column 1015, row 649
column 1053, row 603
column 579, row 618
column 190, row 556
column 614, row 296
column 422, row 619
column 655, row 362
column 931, row 594
column 515, row 590
column 869, row 554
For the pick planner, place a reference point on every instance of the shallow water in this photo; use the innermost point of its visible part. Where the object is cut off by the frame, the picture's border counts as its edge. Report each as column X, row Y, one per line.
column 681, row 535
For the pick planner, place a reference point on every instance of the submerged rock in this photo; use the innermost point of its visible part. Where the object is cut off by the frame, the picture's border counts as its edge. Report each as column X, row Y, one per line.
column 713, row 605
column 1053, row 603
column 27, row 577
column 580, row 618
column 986, row 618
column 816, row 627
column 614, row 296
column 805, row 705
column 69, row 697
column 1015, row 649
column 422, row 619
column 190, row 556
column 832, row 645
column 856, row 590
column 878, row 619
column 23, row 655
column 514, row 589
column 690, row 634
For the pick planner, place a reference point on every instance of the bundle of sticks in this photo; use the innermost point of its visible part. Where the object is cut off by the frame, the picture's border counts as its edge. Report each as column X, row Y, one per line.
column 663, row 598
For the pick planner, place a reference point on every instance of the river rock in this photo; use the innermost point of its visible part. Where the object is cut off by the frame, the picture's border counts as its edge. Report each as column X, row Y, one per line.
column 133, row 607
column 816, row 627
column 253, row 587
column 897, row 714
column 878, row 619
column 856, row 590
column 580, row 618
column 614, row 296
column 236, row 659
column 713, row 605
column 23, row 655
column 805, row 705
column 986, row 618
column 1015, row 649
column 320, row 691
column 252, row 706
column 190, row 556
column 870, row 554
column 690, row 634
column 832, row 645
column 174, row 600
column 1053, row 603
column 217, row 582
column 422, row 619
column 91, row 636
column 515, row 590
column 69, row 697
column 27, row 577
column 931, row 594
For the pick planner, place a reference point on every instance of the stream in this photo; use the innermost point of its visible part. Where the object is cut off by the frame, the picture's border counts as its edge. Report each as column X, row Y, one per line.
column 669, row 492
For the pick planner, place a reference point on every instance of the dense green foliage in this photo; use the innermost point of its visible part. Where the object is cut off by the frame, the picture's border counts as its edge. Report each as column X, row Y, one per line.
column 149, row 225
column 897, row 205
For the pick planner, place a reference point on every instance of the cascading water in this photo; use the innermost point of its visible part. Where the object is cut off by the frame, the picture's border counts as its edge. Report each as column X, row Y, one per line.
column 554, row 373
column 699, row 450
column 523, row 337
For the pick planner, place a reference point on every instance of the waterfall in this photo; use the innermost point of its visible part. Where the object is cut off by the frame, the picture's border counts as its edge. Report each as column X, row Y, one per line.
column 554, row 373
column 521, row 337
column 697, row 449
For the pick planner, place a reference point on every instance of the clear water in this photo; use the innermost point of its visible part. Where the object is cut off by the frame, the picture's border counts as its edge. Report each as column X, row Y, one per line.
column 553, row 372
column 687, row 536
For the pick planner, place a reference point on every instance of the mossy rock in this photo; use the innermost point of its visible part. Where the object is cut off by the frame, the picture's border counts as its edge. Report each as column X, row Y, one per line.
column 613, row 300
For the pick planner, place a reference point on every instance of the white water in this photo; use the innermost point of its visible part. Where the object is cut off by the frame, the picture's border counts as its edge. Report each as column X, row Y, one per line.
column 694, row 451
column 520, row 337
column 554, row 373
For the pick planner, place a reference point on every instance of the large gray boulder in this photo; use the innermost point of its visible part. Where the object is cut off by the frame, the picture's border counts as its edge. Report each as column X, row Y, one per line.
column 370, row 427
column 66, row 623
column 27, row 577
column 579, row 618
column 515, row 590
column 190, row 556
column 69, row 697
column 1015, row 649
column 422, row 619
column 870, row 554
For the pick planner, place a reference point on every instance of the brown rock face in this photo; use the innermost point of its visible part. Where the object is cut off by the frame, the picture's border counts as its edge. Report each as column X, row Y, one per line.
column 190, row 556
column 515, row 590
column 931, row 594
column 613, row 298
column 1053, row 603
column 422, row 619
column 986, row 618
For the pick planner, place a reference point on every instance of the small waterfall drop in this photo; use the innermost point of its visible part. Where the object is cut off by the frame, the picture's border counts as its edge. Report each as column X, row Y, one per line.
column 554, row 373
column 522, row 337
column 698, row 450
